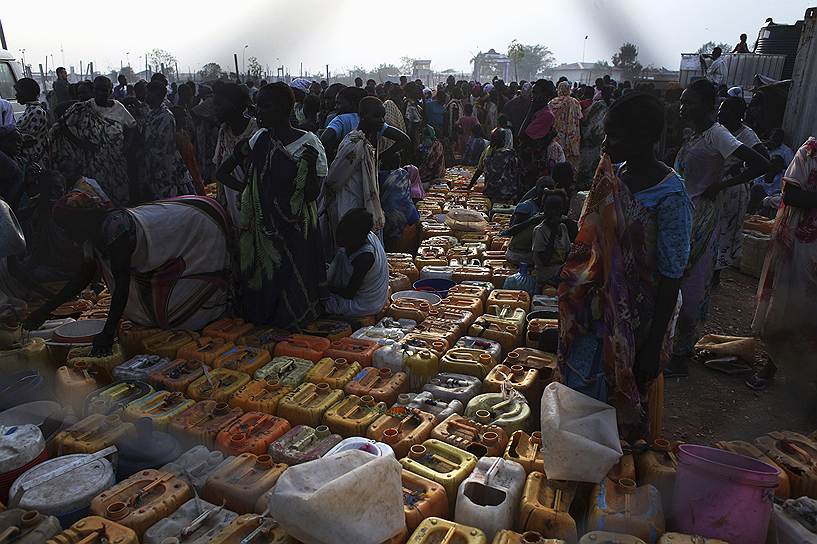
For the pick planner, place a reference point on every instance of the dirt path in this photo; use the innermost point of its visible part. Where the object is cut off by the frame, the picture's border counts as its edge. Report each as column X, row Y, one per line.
column 709, row 406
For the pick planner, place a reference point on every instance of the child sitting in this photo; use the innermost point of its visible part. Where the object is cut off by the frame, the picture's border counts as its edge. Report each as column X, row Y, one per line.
column 359, row 274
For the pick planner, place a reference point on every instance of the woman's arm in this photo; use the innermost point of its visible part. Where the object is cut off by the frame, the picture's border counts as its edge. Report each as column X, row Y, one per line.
column 647, row 360
column 360, row 266
column 401, row 142
column 73, row 288
column 756, row 166
column 120, row 256
column 312, row 188
column 224, row 173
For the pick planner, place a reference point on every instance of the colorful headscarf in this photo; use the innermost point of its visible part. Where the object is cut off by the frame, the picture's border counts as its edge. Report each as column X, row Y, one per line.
column 86, row 196
column 564, row 88
column 300, row 83
column 542, row 124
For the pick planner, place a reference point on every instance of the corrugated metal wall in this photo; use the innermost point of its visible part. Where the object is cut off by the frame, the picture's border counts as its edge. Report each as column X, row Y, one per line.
column 800, row 120
column 741, row 68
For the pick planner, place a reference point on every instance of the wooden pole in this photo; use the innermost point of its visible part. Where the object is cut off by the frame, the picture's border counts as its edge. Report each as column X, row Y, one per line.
column 237, row 73
column 42, row 74
column 2, row 36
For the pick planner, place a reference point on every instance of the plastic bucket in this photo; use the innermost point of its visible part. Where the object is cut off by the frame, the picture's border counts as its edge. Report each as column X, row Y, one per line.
column 438, row 286
column 723, row 495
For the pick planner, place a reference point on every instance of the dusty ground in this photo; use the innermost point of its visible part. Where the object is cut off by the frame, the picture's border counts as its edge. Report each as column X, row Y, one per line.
column 709, row 406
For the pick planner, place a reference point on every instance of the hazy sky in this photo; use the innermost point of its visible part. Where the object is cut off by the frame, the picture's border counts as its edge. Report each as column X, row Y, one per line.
column 345, row 33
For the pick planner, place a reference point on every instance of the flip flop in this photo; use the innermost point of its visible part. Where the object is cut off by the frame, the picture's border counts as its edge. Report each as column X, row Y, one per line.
column 757, row 383
column 728, row 365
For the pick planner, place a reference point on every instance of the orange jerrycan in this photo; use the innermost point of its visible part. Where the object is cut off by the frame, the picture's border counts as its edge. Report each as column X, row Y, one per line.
column 517, row 377
column 622, row 507
column 167, row 343
column 500, row 330
column 530, row 537
column 471, row 291
column 462, row 317
column 229, row 329
column 431, row 256
column 205, row 349
column 625, row 468
column 113, row 398
column 443, row 463
column 472, row 436
column 353, row 415
column 218, row 384
column 433, row 326
column 243, row 359
column 95, row 530
column 102, row 366
column 73, row 384
column 539, row 327
column 381, row 383
column 335, row 372
column 796, row 454
column 303, row 346
column 409, row 308
column 307, row 404
column 472, row 273
column 200, row 423
column 656, row 465
column 422, row 498
column 353, row 349
column 95, row 432
column 526, row 449
column 418, row 341
column 473, row 305
column 441, row 531
column 253, row 432
column 143, row 499
column 401, row 428
column 260, row 396
column 240, row 481
column 178, row 375
column 545, row 508
column 509, row 298
column 131, row 336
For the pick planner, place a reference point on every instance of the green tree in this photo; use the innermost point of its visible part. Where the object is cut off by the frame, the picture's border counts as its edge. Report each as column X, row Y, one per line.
column 382, row 72
column 627, row 59
column 254, row 67
column 529, row 61
column 158, row 57
column 603, row 64
column 707, row 48
column 406, row 66
column 210, row 71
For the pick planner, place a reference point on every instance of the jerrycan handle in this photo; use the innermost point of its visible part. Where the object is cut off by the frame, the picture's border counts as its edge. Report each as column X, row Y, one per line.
column 48, row 476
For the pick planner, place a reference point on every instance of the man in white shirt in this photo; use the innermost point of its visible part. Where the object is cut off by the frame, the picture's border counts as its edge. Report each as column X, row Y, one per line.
column 6, row 114
column 716, row 72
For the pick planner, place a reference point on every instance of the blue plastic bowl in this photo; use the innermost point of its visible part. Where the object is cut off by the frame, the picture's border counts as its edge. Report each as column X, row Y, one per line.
column 438, row 286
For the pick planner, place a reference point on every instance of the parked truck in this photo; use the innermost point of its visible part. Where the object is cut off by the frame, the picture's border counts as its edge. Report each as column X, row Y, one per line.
column 10, row 72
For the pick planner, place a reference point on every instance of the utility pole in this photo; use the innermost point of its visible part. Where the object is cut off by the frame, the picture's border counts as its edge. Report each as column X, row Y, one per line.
column 2, row 36
column 327, row 73
column 237, row 73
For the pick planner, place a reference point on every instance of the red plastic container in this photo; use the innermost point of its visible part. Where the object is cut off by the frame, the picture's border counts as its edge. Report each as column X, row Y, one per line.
column 311, row 348
column 229, row 329
column 251, row 433
column 353, row 349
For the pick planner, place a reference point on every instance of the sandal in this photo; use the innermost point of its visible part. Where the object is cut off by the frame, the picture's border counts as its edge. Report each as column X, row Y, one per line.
column 758, row 383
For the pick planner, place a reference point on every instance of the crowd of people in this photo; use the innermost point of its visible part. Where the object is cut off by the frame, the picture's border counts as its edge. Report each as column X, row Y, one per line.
column 316, row 182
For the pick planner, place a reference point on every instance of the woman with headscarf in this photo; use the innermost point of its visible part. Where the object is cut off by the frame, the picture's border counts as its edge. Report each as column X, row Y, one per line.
column 539, row 151
column 400, row 213
column 500, row 164
column 567, row 113
column 166, row 263
column 283, row 272
column 93, row 132
column 432, row 156
column 784, row 318
column 619, row 286
column 700, row 162
column 592, row 135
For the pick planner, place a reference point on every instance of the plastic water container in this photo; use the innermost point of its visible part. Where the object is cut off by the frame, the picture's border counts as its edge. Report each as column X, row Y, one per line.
column 219, row 384
column 447, row 386
column 722, row 495
column 526, row 449
column 401, row 428
column 334, row 372
column 229, row 329
column 92, row 527
column 510, row 413
column 529, row 537
column 363, row 444
column 469, row 361
column 74, row 383
column 406, row 325
column 128, row 504
column 175, row 524
column 311, row 348
column 353, row 415
column 604, row 537
column 438, row 286
column 21, row 448
column 289, row 371
column 518, row 377
column 260, row 396
column 392, row 355
column 94, row 433
column 178, row 375
column 206, row 349
column 438, row 530
column 622, row 507
column 447, row 465
column 307, row 404
column 422, row 498
column 425, row 402
column 419, row 341
column 353, row 349
column 302, row 444
column 68, row 495
column 545, row 507
column 140, row 367
column 493, row 347
column 167, row 343
column 489, row 498
column 114, row 398
column 422, row 366
column 440, row 272
column 329, row 328
column 381, row 335
column 244, row 359
column 159, row 406
column 477, row 438
column 198, row 463
column 253, row 432
column 241, row 481
column 380, row 383
column 27, row 527
column 250, row 524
